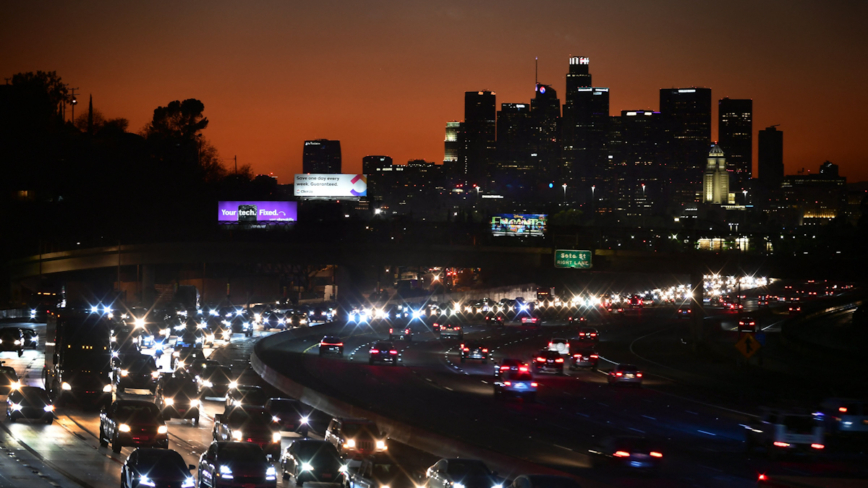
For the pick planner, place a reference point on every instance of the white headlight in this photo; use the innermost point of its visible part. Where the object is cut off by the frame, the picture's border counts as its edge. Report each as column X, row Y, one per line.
column 125, row 372
column 17, row 384
column 381, row 444
column 194, row 402
column 304, row 419
column 162, row 429
column 237, row 435
column 140, row 322
column 207, row 384
column 350, row 443
column 65, row 386
column 233, row 384
column 107, row 388
column 48, row 408
column 306, row 467
column 16, row 406
column 169, row 401
column 275, row 437
column 124, row 428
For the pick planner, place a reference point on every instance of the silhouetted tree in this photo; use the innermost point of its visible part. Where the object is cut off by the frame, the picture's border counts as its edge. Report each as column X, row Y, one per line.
column 178, row 121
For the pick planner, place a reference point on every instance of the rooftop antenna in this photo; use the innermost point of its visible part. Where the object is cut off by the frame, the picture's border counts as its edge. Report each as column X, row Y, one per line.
column 536, row 71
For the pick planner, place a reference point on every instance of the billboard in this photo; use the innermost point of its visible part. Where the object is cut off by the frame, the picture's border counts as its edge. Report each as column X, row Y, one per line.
column 519, row 224
column 331, row 186
column 257, row 212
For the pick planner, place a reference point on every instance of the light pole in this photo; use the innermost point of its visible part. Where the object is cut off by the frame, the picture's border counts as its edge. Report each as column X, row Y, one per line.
column 565, row 194
column 745, row 195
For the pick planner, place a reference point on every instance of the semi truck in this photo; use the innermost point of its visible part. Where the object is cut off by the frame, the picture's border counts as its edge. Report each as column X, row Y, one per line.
column 78, row 358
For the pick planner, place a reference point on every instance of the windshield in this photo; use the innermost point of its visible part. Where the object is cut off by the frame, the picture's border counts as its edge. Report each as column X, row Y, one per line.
column 308, row 449
column 282, row 406
column 184, row 387
column 140, row 363
column 141, row 412
column 239, row 416
column 242, row 453
column 356, row 429
column 7, row 378
column 161, row 461
column 253, row 397
column 216, row 373
column 460, row 468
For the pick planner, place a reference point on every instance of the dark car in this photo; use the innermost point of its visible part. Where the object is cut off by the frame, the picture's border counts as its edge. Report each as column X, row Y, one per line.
column 30, row 403
column 494, row 318
column 355, row 436
column 248, row 425
column 589, row 334
column 576, row 319
column 289, row 414
column 584, row 358
column 214, row 381
column 195, row 368
column 405, row 332
column 11, row 339
column 331, row 344
column 626, row 451
column 157, row 468
column 178, row 398
column 186, row 355
column 383, row 352
column 546, row 360
column 136, row 371
column 474, row 351
column 543, row 481
column 520, row 384
column 312, row 460
column 236, row 464
column 132, row 423
column 275, row 319
column 510, row 365
column 377, row 471
column 31, row 338
column 246, row 396
column 8, row 379
column 470, row 473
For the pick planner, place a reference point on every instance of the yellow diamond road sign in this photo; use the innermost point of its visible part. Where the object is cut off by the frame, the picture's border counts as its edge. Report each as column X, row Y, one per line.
column 747, row 345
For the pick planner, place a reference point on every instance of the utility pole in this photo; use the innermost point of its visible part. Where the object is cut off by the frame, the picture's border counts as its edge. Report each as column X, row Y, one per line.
column 73, row 102
column 236, row 165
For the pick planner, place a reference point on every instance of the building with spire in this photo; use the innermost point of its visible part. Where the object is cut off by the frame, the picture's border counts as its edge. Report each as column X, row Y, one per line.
column 715, row 183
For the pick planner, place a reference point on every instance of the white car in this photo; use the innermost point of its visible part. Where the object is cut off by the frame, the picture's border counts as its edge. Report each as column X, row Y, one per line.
column 562, row 346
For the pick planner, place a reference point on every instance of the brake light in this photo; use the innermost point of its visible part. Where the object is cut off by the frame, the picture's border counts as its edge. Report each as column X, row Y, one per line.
column 375, row 351
column 550, row 344
column 638, row 375
column 541, row 359
column 523, row 369
column 656, row 454
column 762, row 477
column 534, row 384
column 465, row 349
column 507, row 383
column 594, row 356
column 436, row 324
column 621, row 454
column 393, row 352
column 593, row 334
column 390, row 330
column 559, row 360
column 619, row 374
column 781, row 444
column 406, row 331
column 818, row 446
column 504, row 368
column 842, row 409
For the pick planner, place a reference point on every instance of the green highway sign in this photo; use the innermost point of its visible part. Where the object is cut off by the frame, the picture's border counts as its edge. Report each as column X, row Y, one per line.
column 565, row 258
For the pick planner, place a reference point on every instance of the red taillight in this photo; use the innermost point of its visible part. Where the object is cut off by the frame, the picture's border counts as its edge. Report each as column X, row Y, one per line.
column 465, row 349
column 594, row 356
column 436, row 324
column 638, row 375
column 762, row 477
column 818, row 446
column 842, row 409
column 504, row 368
column 507, row 383
column 550, row 344
column 534, row 384
column 406, row 331
column 656, row 454
column 781, row 444
column 390, row 330
column 559, row 360
column 619, row 374
column 485, row 350
column 375, row 351
column 393, row 352
column 542, row 360
column 621, row 454
column 523, row 369
column 593, row 334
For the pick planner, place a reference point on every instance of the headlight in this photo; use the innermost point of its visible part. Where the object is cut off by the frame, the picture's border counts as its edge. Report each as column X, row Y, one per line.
column 207, row 384
column 275, row 437
column 200, row 339
column 162, row 429
column 304, row 419
column 17, row 341
column 145, row 481
column 169, row 401
column 194, row 402
column 176, row 353
column 233, row 384
column 211, row 337
column 181, row 363
column 225, row 471
column 350, row 443
column 48, row 408
column 140, row 322
column 237, row 435
column 381, row 444
column 125, row 372
column 457, row 485
column 497, row 486
column 65, row 386
column 107, row 388
column 343, row 468
column 306, row 467
column 155, row 374
column 124, row 428
column 189, row 483
column 16, row 406
column 94, row 309
column 227, row 334
column 202, row 325
column 17, row 384
column 270, row 473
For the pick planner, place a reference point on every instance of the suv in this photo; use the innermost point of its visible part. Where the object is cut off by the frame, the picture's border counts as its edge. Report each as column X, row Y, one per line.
column 398, row 333
column 559, row 345
column 383, row 352
column 584, row 358
column 519, row 384
column 136, row 371
column 547, row 360
column 474, row 351
column 11, row 339
column 510, row 365
column 780, row 431
column 355, row 436
column 240, row 463
column 451, row 330
column 331, row 344
column 178, row 397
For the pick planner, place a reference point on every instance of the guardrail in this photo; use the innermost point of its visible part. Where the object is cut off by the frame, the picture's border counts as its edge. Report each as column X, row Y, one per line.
column 837, row 304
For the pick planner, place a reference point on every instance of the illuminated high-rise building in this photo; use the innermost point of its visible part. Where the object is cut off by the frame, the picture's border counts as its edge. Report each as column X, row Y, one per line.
column 514, row 138
column 322, row 156
column 476, row 148
column 735, row 137
column 686, row 123
column 715, row 184
column 585, row 124
column 545, row 115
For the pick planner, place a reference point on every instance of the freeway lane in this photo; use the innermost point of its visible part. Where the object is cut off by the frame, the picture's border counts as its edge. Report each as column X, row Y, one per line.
column 432, row 389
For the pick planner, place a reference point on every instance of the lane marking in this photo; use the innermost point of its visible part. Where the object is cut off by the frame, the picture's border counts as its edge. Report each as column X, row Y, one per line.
column 704, row 432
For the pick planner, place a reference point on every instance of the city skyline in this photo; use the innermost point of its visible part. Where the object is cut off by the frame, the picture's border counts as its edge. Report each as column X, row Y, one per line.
column 385, row 78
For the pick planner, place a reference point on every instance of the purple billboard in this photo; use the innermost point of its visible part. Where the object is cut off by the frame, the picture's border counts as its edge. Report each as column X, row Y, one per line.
column 257, row 212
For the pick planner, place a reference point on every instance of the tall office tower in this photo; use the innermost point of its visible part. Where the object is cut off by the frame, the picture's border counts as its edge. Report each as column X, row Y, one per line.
column 545, row 115
column 735, row 137
column 514, row 139
column 770, row 158
column 585, row 128
column 477, row 146
column 322, row 156
column 634, row 172
column 372, row 168
column 686, row 119
column 370, row 163
column 715, row 184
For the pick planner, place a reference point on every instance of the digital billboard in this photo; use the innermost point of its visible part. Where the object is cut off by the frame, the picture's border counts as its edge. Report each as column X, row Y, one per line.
column 519, row 225
column 331, row 186
column 257, row 212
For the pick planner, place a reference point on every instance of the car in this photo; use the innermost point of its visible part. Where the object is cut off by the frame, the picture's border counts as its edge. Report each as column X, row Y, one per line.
column 628, row 452
column 548, row 361
column 31, row 338
column 474, row 351
column 470, row 473
column 378, row 471
column 747, row 325
column 494, row 318
column 148, row 467
column 450, row 329
column 519, row 383
column 136, row 372
column 576, row 319
column 785, row 431
column 584, row 358
column 684, row 313
column 214, row 381
column 132, row 423
column 312, row 460
column 195, row 368
column 405, row 333
column 236, row 464
column 255, row 425
column 29, row 403
column 297, row 319
column 186, row 355
column 589, row 334
column 8, row 379
column 177, row 397
column 844, row 416
column 509, row 364
column 275, row 319
column 245, row 396
column 559, row 345
column 289, row 414
column 794, row 309
column 383, row 352
column 331, row 344
column 11, row 339
column 626, row 374
column 615, row 309
column 762, row 301
column 543, row 481
column 354, row 436
column 531, row 320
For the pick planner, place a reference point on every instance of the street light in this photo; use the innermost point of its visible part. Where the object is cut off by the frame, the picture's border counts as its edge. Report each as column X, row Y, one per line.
column 565, row 193
column 745, row 195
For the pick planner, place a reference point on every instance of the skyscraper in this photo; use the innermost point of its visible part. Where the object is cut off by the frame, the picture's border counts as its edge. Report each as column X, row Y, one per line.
column 735, row 137
column 476, row 150
column 686, row 121
column 715, row 184
column 451, row 164
column 770, row 158
column 514, row 138
column 370, row 163
column 545, row 122
column 585, row 124
column 322, row 156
